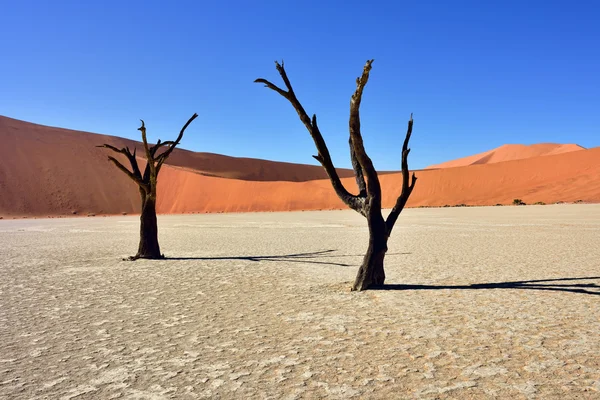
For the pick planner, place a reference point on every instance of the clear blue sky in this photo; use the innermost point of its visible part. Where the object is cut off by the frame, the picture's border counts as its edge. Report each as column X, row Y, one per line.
column 476, row 74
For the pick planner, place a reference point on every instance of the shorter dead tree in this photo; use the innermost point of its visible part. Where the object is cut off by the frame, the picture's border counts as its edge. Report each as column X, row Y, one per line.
column 368, row 201
column 155, row 158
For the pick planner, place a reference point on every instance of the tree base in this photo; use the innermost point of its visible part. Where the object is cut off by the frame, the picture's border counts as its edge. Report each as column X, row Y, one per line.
column 146, row 257
column 371, row 272
column 361, row 285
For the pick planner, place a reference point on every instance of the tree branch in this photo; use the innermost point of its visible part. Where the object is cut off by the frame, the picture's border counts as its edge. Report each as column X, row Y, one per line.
column 149, row 155
column 113, row 148
column 162, row 157
column 161, row 144
column 356, row 140
column 131, row 157
column 154, row 149
column 406, row 188
column 273, row 87
column 352, row 201
column 358, row 172
column 128, row 173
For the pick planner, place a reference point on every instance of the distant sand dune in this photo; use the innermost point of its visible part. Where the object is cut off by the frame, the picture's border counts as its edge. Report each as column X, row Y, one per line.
column 510, row 152
column 51, row 171
column 564, row 177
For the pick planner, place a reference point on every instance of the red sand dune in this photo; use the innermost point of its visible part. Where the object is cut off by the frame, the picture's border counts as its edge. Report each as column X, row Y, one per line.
column 50, row 171
column 565, row 177
column 509, row 152
column 33, row 137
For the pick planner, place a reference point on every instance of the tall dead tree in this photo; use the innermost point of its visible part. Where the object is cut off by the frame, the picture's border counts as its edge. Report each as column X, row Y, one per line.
column 155, row 158
column 368, row 201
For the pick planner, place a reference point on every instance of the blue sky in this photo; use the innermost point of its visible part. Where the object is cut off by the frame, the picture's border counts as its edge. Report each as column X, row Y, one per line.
column 476, row 74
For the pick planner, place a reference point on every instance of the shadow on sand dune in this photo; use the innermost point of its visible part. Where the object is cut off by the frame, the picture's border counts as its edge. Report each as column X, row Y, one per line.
column 540, row 284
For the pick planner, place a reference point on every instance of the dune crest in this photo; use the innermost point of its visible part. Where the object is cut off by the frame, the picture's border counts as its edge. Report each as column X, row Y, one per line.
column 509, row 152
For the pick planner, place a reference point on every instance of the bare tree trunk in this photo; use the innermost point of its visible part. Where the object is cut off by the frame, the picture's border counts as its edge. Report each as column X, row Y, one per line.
column 148, row 247
column 371, row 272
column 368, row 200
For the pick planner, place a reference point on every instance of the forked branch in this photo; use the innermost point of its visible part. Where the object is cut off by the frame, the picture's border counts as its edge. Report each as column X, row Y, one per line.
column 135, row 173
column 153, row 162
column 406, row 188
column 126, row 171
column 352, row 201
column 171, row 145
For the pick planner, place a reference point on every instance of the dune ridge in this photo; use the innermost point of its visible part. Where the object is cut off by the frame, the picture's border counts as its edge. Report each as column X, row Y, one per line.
column 52, row 171
column 509, row 152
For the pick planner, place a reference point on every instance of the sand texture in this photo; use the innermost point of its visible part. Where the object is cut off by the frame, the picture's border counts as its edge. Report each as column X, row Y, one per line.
column 48, row 171
column 256, row 306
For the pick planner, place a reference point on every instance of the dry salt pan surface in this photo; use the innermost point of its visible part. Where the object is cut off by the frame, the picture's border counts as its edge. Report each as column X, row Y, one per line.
column 497, row 302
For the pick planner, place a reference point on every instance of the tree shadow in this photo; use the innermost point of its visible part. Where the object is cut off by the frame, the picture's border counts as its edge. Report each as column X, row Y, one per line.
column 297, row 258
column 540, row 284
column 362, row 255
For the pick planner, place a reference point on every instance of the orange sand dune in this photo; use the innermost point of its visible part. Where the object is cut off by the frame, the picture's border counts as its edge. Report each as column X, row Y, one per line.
column 25, row 134
column 50, row 171
column 250, row 169
column 509, row 152
column 564, row 177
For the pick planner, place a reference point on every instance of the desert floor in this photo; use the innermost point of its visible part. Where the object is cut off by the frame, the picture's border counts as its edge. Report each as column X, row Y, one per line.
column 258, row 306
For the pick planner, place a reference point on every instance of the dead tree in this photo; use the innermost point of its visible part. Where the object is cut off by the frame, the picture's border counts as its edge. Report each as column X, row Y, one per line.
column 368, row 201
column 155, row 158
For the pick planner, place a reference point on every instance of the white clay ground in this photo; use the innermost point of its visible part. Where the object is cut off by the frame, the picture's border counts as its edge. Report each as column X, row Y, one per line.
column 258, row 306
